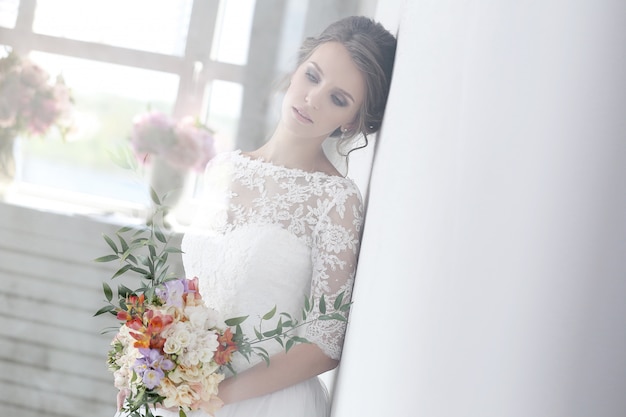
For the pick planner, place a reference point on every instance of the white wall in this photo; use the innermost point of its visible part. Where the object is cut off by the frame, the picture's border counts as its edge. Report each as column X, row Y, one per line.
column 492, row 275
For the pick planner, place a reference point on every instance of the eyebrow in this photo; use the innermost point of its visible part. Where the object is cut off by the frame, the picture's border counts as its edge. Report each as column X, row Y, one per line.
column 344, row 92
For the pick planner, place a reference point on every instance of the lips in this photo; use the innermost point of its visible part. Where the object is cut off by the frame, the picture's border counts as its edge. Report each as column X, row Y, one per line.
column 301, row 115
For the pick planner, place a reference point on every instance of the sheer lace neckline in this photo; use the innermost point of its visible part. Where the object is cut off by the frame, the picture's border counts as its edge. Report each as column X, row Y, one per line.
column 277, row 167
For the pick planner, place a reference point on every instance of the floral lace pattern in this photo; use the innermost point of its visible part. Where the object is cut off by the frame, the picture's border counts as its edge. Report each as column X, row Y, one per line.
column 265, row 235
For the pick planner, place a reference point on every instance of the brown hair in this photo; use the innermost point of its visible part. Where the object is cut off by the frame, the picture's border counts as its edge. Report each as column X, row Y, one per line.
column 372, row 49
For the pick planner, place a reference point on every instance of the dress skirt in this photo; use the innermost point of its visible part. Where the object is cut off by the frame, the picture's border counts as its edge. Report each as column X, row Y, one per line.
column 306, row 399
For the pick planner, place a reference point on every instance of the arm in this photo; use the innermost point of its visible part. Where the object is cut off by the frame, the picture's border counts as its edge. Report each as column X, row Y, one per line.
column 302, row 362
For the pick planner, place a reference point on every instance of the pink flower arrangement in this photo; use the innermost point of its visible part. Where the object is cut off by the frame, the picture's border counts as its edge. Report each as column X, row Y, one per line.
column 187, row 144
column 30, row 103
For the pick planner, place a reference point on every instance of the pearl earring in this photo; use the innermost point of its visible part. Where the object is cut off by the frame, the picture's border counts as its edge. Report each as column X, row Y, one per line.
column 343, row 133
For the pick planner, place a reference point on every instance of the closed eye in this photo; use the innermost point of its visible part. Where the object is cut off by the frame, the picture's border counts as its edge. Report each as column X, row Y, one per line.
column 339, row 100
column 312, row 77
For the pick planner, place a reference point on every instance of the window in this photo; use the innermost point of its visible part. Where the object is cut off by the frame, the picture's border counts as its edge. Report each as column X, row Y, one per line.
column 121, row 58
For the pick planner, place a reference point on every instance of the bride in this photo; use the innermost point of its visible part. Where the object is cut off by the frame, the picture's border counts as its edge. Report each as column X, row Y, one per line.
column 281, row 223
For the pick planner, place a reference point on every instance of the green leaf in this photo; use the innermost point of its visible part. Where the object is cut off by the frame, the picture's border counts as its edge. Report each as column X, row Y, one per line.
column 345, row 307
column 235, row 321
column 289, row 344
column 154, row 197
column 107, row 258
column 263, row 353
column 307, row 304
column 270, row 314
column 271, row 333
column 110, row 242
column 104, row 309
column 279, row 326
column 279, row 341
column 258, row 334
column 322, row 304
column 124, row 291
column 181, row 413
column 130, row 258
column 338, row 301
column 140, row 270
column 122, row 270
column 144, row 260
column 108, row 293
column 160, row 236
column 172, row 249
column 163, row 275
column 333, row 316
column 123, row 243
column 299, row 339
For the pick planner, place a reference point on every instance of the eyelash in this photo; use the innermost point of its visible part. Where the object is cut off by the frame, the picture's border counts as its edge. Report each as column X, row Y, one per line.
column 336, row 99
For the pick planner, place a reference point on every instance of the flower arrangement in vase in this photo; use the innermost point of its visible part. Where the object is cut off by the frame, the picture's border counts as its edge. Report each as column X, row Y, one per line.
column 185, row 145
column 31, row 103
column 172, row 149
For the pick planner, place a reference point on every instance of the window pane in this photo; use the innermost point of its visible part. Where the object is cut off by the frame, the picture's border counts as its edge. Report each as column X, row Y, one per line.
column 8, row 12
column 148, row 25
column 232, row 32
column 224, row 108
column 107, row 97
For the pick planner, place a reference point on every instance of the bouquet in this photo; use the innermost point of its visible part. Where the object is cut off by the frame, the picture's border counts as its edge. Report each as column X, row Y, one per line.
column 171, row 349
column 187, row 144
column 29, row 103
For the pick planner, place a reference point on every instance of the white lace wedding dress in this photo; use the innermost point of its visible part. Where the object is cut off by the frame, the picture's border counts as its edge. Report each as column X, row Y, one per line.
column 267, row 236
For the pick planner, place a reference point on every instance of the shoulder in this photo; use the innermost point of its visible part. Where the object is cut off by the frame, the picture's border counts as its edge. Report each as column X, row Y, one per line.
column 343, row 186
column 344, row 198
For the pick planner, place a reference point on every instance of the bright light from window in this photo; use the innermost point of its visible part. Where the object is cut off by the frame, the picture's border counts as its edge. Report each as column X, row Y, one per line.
column 8, row 12
column 98, row 77
column 232, row 32
column 224, row 108
column 148, row 25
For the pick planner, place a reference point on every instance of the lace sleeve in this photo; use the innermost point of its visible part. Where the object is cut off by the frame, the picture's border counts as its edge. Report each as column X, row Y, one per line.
column 336, row 240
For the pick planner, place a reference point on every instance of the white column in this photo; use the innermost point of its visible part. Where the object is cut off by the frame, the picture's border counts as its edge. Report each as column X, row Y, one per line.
column 492, row 277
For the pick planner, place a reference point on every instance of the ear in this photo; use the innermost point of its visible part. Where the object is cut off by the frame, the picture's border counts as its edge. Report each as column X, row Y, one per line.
column 348, row 127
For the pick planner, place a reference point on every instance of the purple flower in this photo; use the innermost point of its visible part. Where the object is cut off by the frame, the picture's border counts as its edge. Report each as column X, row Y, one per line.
column 152, row 359
column 172, row 293
column 152, row 377
column 167, row 365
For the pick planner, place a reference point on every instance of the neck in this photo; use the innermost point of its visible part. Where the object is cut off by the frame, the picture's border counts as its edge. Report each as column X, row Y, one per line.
column 293, row 152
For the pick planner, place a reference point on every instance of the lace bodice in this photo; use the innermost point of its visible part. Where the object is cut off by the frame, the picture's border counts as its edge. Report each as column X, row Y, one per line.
column 266, row 235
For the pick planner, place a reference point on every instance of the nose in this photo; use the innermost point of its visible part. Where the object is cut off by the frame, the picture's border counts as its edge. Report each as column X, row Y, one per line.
column 311, row 98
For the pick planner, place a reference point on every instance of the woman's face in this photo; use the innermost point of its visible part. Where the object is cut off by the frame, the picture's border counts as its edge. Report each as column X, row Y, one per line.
column 326, row 92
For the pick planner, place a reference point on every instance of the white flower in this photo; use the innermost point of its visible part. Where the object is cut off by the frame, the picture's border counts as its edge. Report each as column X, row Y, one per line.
column 172, row 346
column 201, row 317
column 190, row 358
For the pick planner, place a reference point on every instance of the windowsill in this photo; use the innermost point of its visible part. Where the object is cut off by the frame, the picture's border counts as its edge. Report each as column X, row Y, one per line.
column 103, row 209
column 60, row 201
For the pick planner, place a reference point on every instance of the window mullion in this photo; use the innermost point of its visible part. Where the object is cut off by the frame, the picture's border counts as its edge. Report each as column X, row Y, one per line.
column 196, row 61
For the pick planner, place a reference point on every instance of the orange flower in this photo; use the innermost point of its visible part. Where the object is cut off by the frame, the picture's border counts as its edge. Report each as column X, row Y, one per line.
column 225, row 349
column 157, row 322
column 142, row 339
